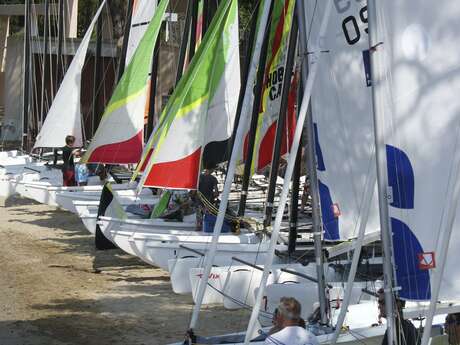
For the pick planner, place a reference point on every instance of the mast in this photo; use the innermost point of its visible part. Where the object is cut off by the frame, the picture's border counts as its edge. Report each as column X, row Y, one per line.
column 232, row 165
column 27, row 67
column 207, row 15
column 59, row 58
column 293, row 216
column 124, row 48
column 45, row 65
column 209, row 9
column 382, row 178
column 153, row 88
column 311, row 168
column 184, row 42
column 316, row 55
column 97, row 74
column 254, row 118
column 281, row 123
column 192, row 45
column 244, row 80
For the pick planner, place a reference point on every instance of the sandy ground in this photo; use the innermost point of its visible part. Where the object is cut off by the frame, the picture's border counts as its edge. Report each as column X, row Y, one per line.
column 56, row 289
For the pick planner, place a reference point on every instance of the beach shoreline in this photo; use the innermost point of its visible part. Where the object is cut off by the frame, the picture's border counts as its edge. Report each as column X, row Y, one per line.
column 57, row 289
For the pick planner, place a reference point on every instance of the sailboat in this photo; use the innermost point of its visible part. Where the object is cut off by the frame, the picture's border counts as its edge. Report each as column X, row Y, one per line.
column 397, row 62
column 139, row 17
column 413, row 82
column 37, row 178
column 275, row 83
column 51, row 192
column 200, row 111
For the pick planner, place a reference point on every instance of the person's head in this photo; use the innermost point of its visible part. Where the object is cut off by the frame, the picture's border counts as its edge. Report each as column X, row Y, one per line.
column 288, row 312
column 452, row 328
column 399, row 303
column 69, row 140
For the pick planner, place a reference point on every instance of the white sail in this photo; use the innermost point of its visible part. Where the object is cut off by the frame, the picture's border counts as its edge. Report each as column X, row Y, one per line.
column 342, row 112
column 143, row 11
column 420, row 65
column 64, row 116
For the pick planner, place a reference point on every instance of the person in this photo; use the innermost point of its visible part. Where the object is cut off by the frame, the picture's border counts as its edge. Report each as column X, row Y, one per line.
column 208, row 186
column 409, row 335
column 68, row 167
column 452, row 328
column 287, row 323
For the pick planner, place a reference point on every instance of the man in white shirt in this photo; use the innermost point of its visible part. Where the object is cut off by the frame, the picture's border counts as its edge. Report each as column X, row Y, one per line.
column 286, row 320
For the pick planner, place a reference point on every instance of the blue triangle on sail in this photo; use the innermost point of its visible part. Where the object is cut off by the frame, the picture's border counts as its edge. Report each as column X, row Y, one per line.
column 414, row 282
column 400, row 178
column 330, row 221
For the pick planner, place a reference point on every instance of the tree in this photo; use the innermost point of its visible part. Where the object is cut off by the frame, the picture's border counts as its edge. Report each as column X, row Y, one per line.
column 117, row 12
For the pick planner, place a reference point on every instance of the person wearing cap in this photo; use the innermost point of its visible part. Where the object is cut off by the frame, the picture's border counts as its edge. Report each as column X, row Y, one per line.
column 286, row 325
column 406, row 334
column 452, row 328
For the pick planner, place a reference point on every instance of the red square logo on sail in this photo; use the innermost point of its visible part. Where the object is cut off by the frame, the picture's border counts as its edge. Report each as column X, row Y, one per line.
column 426, row 261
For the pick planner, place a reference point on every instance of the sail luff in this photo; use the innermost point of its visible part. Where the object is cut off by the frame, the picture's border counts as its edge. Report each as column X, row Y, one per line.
column 382, row 177
column 67, row 99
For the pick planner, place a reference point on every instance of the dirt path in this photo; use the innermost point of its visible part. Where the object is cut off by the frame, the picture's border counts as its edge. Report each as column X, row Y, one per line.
column 56, row 289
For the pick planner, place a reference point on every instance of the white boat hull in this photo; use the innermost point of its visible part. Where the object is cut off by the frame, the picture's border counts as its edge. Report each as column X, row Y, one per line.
column 66, row 197
column 87, row 209
column 156, row 241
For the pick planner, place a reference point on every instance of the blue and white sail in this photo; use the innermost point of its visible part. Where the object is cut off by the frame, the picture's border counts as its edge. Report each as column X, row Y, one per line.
column 419, row 64
column 343, row 124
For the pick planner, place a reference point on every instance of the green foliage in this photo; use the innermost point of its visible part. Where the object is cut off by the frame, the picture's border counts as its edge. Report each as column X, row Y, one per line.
column 116, row 8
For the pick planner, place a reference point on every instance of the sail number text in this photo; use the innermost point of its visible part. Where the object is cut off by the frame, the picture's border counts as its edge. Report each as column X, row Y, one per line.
column 275, row 83
column 350, row 25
